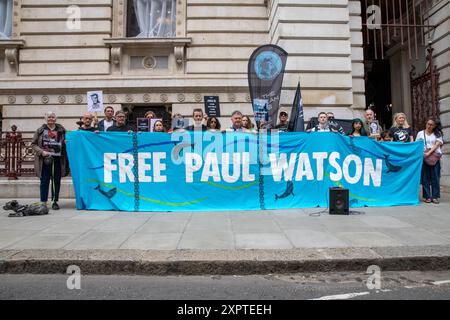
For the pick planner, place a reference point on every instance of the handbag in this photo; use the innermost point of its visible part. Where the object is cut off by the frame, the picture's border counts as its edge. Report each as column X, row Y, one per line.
column 434, row 158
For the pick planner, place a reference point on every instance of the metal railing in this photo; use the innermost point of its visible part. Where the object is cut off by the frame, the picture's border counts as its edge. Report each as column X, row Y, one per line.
column 16, row 155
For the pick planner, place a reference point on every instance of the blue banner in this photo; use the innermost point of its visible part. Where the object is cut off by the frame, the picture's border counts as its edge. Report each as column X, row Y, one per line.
column 238, row 171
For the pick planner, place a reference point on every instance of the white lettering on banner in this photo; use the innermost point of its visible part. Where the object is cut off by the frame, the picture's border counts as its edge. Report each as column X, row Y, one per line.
column 334, row 156
column 211, row 168
column 246, row 175
column 320, row 156
column 109, row 167
column 304, row 168
column 346, row 168
column 146, row 172
column 234, row 167
column 371, row 172
column 158, row 167
column 281, row 166
column 193, row 164
column 143, row 167
column 126, row 163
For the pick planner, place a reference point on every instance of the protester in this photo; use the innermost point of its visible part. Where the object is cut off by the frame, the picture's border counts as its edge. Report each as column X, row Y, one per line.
column 150, row 115
column 158, row 126
column 120, row 125
column 248, row 125
column 109, row 121
column 385, row 136
column 333, row 124
column 197, row 114
column 323, row 125
column 236, row 120
column 283, row 125
column 371, row 125
column 213, row 124
column 50, row 162
column 87, row 122
column 432, row 138
column 400, row 130
column 357, row 129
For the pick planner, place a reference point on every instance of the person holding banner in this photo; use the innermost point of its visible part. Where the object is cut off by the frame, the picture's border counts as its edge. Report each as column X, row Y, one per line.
column 50, row 161
column 323, row 125
column 432, row 138
column 158, row 126
column 236, row 120
column 213, row 124
column 248, row 125
column 120, row 125
column 400, row 130
column 357, row 129
column 109, row 121
column 87, row 122
column 197, row 114
column 283, row 125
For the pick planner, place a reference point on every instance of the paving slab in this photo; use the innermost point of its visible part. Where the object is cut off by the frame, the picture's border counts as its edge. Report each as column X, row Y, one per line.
column 98, row 240
column 156, row 241
column 263, row 241
column 226, row 242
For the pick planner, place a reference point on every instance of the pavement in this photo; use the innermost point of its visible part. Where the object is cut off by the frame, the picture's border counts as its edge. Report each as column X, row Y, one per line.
column 234, row 242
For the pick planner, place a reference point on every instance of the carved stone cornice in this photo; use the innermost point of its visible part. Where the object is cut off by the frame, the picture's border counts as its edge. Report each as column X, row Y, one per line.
column 11, row 49
column 176, row 44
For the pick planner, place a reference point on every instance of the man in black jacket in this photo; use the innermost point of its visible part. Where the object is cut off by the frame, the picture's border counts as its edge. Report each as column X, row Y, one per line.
column 120, row 125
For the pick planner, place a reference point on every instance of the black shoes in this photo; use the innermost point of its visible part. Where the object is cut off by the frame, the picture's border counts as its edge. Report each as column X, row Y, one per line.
column 55, row 206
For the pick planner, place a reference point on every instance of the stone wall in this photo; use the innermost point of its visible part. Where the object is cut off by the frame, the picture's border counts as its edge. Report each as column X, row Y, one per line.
column 440, row 16
column 324, row 42
column 56, row 65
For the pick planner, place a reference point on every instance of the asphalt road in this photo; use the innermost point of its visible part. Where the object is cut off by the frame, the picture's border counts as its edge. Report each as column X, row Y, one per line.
column 394, row 285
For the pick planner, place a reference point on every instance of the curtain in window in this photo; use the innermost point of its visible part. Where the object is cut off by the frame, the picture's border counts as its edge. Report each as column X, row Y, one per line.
column 156, row 18
column 6, row 10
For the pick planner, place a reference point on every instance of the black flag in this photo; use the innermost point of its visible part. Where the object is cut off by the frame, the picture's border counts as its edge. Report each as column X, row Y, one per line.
column 297, row 121
column 265, row 77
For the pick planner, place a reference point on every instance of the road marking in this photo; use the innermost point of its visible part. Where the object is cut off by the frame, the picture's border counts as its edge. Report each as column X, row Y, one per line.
column 437, row 283
column 343, row 296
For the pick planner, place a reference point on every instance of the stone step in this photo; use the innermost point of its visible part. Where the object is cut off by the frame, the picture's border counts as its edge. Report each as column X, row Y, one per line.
column 29, row 188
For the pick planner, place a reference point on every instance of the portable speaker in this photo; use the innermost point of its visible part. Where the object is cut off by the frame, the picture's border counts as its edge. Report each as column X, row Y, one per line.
column 339, row 203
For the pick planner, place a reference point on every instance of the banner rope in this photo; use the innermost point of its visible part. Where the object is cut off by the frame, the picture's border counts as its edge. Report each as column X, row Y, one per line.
column 136, row 172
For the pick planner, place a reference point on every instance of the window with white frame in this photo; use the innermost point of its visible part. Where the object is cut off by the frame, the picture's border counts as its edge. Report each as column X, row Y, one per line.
column 6, row 10
column 151, row 18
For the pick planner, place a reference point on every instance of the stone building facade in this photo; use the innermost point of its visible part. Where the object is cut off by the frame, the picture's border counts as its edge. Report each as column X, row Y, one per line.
column 50, row 60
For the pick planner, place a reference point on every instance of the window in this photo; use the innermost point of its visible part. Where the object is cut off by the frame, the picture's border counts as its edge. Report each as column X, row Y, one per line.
column 6, row 10
column 151, row 18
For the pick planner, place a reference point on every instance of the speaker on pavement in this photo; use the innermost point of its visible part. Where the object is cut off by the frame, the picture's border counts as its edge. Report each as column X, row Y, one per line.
column 339, row 201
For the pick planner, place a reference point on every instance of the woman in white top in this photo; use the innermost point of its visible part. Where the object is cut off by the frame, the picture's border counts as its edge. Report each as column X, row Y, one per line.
column 432, row 139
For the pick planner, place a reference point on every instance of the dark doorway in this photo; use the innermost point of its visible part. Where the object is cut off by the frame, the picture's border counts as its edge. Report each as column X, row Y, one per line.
column 378, row 90
column 138, row 111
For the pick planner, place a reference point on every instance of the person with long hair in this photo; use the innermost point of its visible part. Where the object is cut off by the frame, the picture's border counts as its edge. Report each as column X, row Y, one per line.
column 50, row 162
column 158, row 126
column 400, row 130
column 357, row 129
column 213, row 124
column 432, row 138
column 248, row 124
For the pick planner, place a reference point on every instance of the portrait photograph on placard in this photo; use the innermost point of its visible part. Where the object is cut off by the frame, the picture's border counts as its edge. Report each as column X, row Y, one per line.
column 95, row 101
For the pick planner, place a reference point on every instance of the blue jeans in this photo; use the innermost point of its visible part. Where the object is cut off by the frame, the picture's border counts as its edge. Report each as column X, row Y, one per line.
column 430, row 180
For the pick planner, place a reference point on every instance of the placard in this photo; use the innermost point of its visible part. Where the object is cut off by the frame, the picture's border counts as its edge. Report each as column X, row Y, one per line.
column 212, row 106
column 143, row 124
column 95, row 101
